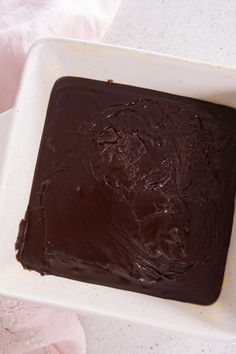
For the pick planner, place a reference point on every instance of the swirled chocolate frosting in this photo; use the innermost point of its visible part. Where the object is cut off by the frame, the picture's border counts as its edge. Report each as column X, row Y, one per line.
column 133, row 189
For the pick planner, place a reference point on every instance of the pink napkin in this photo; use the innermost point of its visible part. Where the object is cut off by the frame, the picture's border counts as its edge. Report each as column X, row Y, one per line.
column 30, row 328
column 33, row 329
column 23, row 22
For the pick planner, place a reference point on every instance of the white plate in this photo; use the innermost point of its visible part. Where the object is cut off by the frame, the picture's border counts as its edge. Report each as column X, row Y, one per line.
column 48, row 60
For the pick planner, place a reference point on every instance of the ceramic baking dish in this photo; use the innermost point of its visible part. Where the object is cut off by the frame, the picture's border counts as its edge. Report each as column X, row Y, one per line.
column 21, row 131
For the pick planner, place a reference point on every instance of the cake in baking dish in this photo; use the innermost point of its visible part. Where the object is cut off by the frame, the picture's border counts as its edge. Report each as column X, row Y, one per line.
column 133, row 189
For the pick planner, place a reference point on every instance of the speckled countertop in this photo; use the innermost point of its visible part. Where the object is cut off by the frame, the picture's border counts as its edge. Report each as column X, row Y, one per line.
column 197, row 29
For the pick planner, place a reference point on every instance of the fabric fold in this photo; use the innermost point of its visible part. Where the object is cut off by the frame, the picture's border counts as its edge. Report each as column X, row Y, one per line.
column 23, row 22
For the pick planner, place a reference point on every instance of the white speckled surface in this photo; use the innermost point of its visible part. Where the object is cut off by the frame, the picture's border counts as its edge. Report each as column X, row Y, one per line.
column 197, row 29
column 109, row 336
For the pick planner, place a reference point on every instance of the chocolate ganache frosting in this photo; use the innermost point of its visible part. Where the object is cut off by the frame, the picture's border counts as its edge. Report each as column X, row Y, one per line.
column 134, row 189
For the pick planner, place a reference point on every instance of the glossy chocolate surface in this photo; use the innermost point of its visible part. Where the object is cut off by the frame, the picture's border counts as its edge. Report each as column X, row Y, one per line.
column 133, row 189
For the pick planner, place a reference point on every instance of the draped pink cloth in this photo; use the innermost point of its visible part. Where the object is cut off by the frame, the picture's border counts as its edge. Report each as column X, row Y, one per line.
column 34, row 329
column 22, row 22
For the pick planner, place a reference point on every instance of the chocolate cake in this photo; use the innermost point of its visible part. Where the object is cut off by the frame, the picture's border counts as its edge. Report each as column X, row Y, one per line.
column 133, row 189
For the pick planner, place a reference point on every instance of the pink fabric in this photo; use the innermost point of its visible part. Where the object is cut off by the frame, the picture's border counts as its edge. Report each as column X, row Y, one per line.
column 34, row 329
column 30, row 328
column 23, row 22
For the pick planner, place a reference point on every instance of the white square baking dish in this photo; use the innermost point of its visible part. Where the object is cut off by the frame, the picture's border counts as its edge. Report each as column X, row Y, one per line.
column 49, row 60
